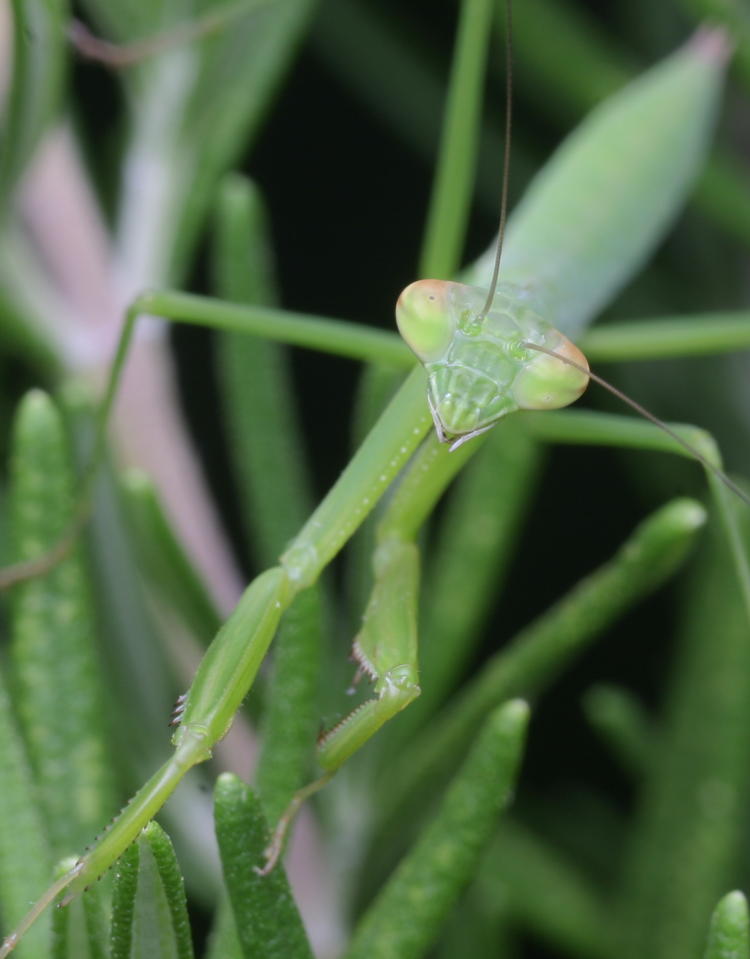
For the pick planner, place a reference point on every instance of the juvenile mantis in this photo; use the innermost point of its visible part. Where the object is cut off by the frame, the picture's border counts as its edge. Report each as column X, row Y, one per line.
column 232, row 661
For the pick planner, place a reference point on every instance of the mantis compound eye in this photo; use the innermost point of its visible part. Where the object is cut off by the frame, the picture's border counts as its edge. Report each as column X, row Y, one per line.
column 549, row 382
column 425, row 319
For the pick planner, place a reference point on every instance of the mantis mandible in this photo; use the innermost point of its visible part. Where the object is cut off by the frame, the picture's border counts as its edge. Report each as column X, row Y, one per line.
column 446, row 327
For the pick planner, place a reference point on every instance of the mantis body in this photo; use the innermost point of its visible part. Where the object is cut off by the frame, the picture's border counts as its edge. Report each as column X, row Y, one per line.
column 475, row 369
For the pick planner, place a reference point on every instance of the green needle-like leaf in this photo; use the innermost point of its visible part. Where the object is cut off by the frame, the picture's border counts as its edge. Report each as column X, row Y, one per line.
column 149, row 913
column 25, row 855
column 166, row 560
column 56, row 670
column 239, row 68
column 79, row 931
column 536, row 887
column 266, row 916
column 39, row 48
column 687, row 837
column 274, row 485
column 256, row 383
column 623, row 724
column 538, row 653
column 405, row 918
column 729, row 933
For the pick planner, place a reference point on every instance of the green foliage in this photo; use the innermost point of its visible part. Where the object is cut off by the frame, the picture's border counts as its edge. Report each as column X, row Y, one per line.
column 62, row 720
column 405, row 918
column 265, row 915
column 149, row 914
column 729, row 934
column 81, row 929
column 38, row 82
column 540, row 577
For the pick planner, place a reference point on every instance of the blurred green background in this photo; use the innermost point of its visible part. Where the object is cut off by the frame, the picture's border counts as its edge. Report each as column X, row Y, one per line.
column 631, row 814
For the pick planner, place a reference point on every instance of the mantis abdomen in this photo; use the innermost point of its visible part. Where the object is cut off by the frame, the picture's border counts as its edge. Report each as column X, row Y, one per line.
column 606, row 197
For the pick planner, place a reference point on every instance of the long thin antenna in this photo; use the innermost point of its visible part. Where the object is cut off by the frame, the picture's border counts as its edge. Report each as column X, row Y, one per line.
column 492, row 289
column 642, row 411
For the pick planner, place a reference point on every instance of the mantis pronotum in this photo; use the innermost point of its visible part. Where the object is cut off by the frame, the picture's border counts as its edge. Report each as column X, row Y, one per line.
column 541, row 263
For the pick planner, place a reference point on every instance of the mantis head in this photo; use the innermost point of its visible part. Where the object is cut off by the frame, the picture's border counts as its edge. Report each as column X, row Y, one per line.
column 482, row 364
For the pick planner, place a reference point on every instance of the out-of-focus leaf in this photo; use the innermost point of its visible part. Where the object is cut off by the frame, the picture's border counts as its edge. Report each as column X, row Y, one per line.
column 25, row 854
column 536, row 887
column 729, row 933
column 274, row 485
column 621, row 721
column 238, row 73
column 166, row 559
column 532, row 659
column 37, row 82
column 137, row 19
column 687, row 837
column 256, row 381
column 406, row 916
column 56, row 669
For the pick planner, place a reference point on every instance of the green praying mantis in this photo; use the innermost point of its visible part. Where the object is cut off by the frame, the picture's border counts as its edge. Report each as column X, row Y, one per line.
column 478, row 362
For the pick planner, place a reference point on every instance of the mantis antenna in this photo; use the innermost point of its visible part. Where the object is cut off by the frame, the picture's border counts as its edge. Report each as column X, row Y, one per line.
column 492, row 289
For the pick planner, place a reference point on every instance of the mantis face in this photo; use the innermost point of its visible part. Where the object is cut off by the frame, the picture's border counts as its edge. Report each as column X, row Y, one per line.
column 481, row 367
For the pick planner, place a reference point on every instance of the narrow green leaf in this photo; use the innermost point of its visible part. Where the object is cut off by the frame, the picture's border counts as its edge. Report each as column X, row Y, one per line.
column 687, row 838
column 536, row 656
column 536, row 887
column 56, row 670
column 79, row 931
column 166, row 560
column 25, row 854
column 356, row 39
column 123, row 903
column 477, row 928
column 729, row 932
column 37, row 83
column 695, row 334
column 223, row 942
column 450, row 202
column 267, row 920
column 405, row 918
column 149, row 912
column 256, row 384
column 622, row 723
column 170, row 880
column 734, row 16
column 238, row 71
column 584, row 66
column 290, row 722
column 135, row 20
column 274, row 486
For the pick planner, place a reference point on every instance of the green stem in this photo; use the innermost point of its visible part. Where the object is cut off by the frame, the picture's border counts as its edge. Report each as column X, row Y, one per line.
column 451, row 193
column 663, row 337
